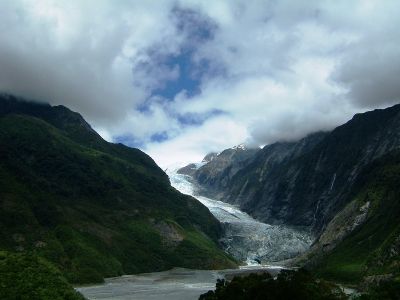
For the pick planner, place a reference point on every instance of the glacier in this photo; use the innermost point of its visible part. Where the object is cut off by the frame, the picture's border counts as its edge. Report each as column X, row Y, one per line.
column 246, row 239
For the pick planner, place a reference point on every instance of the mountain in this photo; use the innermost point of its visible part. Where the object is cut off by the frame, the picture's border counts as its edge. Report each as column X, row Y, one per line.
column 93, row 208
column 342, row 185
column 217, row 169
column 27, row 276
column 362, row 241
column 306, row 182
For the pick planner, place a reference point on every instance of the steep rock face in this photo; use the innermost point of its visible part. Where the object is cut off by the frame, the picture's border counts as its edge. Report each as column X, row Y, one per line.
column 270, row 158
column 215, row 175
column 306, row 182
column 310, row 188
column 209, row 157
column 362, row 241
column 189, row 170
column 93, row 208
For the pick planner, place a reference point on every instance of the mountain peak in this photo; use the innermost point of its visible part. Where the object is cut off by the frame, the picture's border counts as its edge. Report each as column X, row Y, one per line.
column 239, row 147
column 209, row 157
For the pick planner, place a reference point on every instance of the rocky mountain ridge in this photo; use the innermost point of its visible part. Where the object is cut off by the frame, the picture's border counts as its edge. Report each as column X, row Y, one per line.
column 216, row 169
column 342, row 185
column 306, row 182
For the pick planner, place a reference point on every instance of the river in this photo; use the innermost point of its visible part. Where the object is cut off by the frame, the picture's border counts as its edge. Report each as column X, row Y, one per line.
column 257, row 245
column 175, row 284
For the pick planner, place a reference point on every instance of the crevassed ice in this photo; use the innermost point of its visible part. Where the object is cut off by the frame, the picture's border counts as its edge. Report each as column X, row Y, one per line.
column 245, row 238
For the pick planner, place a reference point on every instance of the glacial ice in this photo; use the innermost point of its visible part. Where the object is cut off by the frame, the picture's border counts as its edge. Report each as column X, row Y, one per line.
column 248, row 240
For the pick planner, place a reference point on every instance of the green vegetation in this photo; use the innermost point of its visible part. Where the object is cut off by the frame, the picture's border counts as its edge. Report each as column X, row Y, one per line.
column 24, row 277
column 389, row 290
column 373, row 249
column 288, row 285
column 93, row 208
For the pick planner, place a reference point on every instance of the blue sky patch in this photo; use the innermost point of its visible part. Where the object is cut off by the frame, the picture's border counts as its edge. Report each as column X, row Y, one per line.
column 129, row 140
column 186, row 80
column 197, row 29
column 159, row 137
column 198, row 119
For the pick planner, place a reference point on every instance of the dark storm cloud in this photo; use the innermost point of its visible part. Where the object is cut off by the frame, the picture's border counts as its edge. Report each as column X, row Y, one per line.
column 372, row 72
column 81, row 53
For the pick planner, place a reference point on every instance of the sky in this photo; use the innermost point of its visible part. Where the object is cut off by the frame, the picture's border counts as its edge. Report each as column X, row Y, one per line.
column 179, row 79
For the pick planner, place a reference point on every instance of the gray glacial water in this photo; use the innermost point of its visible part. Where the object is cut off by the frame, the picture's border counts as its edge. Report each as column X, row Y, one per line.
column 175, row 284
column 245, row 238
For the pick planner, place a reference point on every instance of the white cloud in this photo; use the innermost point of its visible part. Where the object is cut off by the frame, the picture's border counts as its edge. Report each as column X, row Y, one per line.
column 277, row 70
column 81, row 53
column 191, row 145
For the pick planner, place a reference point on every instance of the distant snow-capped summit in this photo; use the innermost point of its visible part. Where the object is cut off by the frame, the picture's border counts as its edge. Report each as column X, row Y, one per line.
column 209, row 157
column 239, row 147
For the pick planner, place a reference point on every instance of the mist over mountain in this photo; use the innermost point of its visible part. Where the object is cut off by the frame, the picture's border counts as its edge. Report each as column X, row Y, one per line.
column 174, row 77
column 146, row 136
column 339, row 184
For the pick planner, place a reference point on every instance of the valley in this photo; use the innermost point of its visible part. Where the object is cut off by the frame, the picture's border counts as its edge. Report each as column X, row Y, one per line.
column 199, row 150
column 257, row 246
column 175, row 284
column 87, row 209
column 249, row 241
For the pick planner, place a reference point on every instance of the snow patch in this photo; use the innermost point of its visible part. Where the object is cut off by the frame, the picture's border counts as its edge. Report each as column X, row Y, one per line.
column 239, row 147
